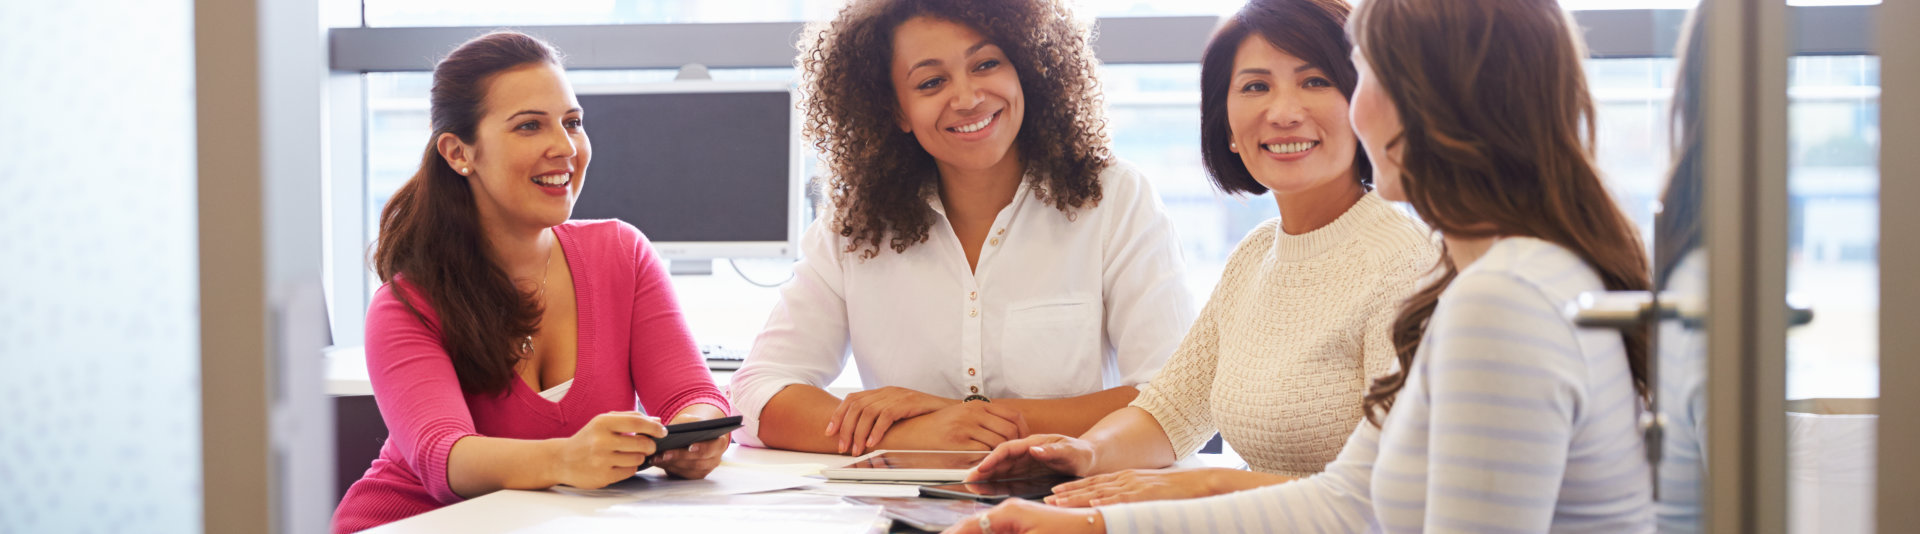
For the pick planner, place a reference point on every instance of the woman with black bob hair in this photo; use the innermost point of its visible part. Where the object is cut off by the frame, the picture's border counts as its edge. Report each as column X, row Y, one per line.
column 1300, row 322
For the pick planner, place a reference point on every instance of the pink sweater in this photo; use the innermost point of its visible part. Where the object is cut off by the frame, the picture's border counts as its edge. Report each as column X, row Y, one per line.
column 632, row 341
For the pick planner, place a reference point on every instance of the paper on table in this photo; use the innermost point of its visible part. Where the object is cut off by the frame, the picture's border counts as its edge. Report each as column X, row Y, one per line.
column 724, row 480
column 834, row 519
column 843, row 489
column 775, row 498
column 795, row 469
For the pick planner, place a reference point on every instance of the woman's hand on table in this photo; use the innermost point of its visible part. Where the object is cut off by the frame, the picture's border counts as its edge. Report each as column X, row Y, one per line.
column 1136, row 485
column 863, row 419
column 1035, row 455
column 699, row 459
column 609, row 449
column 967, row 426
column 1016, row 516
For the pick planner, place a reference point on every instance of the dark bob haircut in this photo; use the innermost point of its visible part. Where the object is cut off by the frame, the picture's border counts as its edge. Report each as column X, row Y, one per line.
column 1312, row 30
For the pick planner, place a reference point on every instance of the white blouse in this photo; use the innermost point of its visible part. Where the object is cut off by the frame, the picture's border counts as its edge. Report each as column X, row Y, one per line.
column 1059, row 306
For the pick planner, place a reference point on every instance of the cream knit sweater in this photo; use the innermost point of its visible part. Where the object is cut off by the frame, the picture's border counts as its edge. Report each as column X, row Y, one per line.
column 1291, row 338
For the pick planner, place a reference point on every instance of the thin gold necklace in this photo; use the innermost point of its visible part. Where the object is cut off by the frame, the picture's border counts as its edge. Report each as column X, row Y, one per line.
column 526, row 344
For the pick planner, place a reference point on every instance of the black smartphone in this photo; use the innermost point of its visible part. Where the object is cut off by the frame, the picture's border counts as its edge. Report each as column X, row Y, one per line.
column 993, row 491
column 683, row 435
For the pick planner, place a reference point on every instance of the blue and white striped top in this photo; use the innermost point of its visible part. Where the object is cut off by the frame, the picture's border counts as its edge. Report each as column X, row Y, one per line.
column 1511, row 420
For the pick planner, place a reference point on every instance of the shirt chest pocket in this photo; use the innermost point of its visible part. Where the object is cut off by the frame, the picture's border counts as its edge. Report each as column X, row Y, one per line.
column 1051, row 348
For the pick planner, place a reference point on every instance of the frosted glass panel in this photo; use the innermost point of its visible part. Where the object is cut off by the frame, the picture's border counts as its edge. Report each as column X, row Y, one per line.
column 100, row 395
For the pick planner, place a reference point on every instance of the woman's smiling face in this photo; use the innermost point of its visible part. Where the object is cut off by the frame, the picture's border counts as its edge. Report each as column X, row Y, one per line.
column 529, row 156
column 957, row 92
column 1289, row 121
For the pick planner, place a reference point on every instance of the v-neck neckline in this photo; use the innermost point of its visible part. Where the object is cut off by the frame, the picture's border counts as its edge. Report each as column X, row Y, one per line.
column 1002, row 219
column 582, row 349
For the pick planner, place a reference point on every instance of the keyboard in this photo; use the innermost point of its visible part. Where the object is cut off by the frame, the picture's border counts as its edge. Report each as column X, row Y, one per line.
column 723, row 358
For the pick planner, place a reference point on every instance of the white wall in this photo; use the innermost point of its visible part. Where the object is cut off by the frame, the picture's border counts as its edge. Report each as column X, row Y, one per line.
column 99, row 329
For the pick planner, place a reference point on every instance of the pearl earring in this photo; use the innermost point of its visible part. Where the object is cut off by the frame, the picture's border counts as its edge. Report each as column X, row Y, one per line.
column 464, row 171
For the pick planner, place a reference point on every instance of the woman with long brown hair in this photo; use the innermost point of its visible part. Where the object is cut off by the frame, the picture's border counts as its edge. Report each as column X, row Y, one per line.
column 1501, row 415
column 508, row 344
column 991, row 266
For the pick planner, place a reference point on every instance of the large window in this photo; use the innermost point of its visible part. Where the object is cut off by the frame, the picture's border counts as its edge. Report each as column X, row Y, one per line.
column 517, row 12
column 1833, row 184
column 1155, row 126
column 497, row 12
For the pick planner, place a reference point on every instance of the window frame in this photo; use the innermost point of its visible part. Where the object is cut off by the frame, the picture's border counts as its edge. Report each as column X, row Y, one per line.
column 354, row 51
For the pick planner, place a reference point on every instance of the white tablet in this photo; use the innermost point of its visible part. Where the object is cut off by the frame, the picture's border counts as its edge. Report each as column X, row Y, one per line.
column 909, row 466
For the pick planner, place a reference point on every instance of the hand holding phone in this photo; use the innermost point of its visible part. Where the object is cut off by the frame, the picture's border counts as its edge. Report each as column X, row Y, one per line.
column 684, row 434
column 606, row 450
column 693, row 449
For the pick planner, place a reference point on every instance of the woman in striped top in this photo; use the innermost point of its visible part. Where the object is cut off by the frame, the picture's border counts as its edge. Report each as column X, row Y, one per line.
column 1502, row 416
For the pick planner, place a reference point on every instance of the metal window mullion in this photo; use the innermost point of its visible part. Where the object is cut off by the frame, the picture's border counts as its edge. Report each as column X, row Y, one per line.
column 346, row 180
column 1629, row 33
column 1767, row 319
column 1898, row 476
column 1746, row 223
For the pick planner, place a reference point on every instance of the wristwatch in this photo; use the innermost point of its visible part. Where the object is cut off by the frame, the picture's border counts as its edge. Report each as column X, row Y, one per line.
column 976, row 397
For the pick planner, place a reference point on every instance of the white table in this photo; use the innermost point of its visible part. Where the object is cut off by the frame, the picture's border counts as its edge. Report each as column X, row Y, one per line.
column 509, row 510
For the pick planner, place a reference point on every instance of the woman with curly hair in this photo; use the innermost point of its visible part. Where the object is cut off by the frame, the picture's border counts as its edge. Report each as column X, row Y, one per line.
column 1501, row 415
column 992, row 268
column 1280, row 358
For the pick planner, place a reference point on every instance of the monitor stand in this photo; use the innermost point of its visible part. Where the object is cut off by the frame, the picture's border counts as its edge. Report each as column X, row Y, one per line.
column 690, row 267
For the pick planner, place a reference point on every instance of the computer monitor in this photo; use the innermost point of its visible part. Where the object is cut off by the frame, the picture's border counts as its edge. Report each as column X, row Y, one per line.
column 705, row 169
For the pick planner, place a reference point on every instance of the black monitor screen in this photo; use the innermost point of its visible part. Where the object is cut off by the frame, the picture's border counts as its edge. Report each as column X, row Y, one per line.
column 690, row 167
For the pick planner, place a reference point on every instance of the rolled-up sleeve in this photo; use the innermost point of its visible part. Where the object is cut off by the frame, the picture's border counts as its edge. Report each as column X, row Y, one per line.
column 668, row 372
column 1148, row 306
column 415, row 387
column 805, row 340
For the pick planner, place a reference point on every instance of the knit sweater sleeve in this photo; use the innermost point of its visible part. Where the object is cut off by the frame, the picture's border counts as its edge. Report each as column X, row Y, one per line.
column 415, row 386
column 1177, row 397
column 1180, row 396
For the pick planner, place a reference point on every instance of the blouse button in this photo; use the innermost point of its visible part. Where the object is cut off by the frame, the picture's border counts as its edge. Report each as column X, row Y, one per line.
column 973, row 389
column 973, row 313
column 994, row 241
column 973, row 295
column 1002, row 231
column 970, row 371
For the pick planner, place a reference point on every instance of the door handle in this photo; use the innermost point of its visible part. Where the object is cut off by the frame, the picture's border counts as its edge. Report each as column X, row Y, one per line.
column 1630, row 309
column 1636, row 309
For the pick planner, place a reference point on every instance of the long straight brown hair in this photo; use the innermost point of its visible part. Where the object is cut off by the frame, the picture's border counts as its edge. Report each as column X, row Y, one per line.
column 1676, row 228
column 1498, row 141
column 430, row 229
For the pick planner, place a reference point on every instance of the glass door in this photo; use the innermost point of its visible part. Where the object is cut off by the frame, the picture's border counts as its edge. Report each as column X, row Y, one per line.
column 1832, row 267
column 1676, row 431
column 1766, row 256
column 1767, row 208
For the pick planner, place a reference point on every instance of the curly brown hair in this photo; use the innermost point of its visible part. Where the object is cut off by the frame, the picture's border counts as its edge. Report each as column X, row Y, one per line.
column 880, row 176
